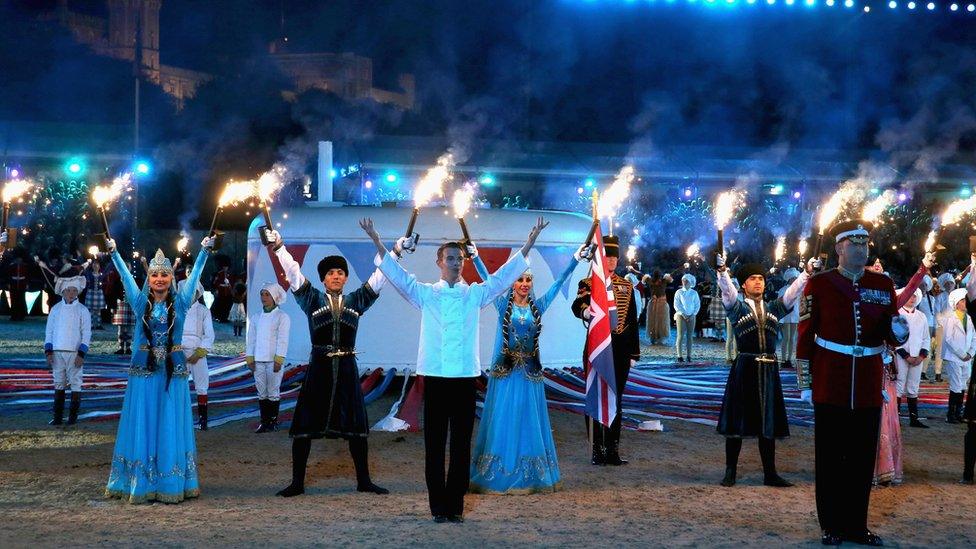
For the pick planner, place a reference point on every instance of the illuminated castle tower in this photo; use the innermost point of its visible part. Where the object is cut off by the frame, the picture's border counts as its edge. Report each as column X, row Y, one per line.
column 130, row 21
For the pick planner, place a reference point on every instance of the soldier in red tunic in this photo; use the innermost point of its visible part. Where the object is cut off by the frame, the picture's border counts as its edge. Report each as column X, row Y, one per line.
column 847, row 316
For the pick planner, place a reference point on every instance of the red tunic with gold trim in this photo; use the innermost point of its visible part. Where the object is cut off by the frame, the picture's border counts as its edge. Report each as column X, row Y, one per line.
column 845, row 312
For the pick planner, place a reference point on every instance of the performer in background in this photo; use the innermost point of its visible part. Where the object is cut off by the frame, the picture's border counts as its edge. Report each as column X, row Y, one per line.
column 659, row 314
column 686, row 306
column 155, row 451
column 958, row 350
column 95, row 296
column 266, row 347
column 514, row 451
column 447, row 357
column 330, row 402
column 238, row 311
column 753, row 404
column 910, row 357
column 66, row 342
column 848, row 315
column 969, row 297
column 198, row 341
column 625, row 340
column 223, row 289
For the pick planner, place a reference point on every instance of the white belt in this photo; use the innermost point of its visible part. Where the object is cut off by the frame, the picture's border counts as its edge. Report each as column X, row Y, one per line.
column 851, row 350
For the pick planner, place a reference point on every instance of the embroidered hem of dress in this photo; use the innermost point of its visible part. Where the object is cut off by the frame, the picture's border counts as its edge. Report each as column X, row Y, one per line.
column 152, row 496
column 529, row 468
column 475, row 488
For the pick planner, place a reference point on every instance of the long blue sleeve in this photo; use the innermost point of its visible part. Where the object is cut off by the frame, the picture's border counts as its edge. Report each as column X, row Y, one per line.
column 185, row 298
column 543, row 303
column 501, row 302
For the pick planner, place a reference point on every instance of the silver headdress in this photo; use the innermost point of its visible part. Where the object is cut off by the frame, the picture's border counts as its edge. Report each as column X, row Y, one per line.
column 160, row 264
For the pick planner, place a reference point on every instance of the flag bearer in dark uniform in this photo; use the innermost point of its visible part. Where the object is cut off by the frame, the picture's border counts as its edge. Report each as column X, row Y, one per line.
column 625, row 339
column 753, row 404
column 847, row 316
column 330, row 402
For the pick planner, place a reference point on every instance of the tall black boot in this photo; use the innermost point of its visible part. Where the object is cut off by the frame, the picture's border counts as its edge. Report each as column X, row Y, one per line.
column 960, row 407
column 273, row 406
column 913, row 414
column 969, row 455
column 951, row 412
column 899, row 406
column 767, row 453
column 74, row 407
column 733, row 446
column 300, row 448
column 58, row 418
column 599, row 450
column 263, row 406
column 612, row 443
column 359, row 448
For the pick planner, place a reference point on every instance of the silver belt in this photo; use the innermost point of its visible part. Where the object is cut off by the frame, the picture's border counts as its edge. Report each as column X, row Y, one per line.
column 850, row 350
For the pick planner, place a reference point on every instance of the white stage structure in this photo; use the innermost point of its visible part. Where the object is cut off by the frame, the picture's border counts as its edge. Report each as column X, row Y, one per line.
column 389, row 331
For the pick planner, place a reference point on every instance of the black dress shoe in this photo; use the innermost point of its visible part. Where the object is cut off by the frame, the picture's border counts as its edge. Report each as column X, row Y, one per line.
column 455, row 518
column 830, row 538
column 369, row 487
column 291, row 491
column 866, row 537
column 777, row 481
column 440, row 518
column 729, row 479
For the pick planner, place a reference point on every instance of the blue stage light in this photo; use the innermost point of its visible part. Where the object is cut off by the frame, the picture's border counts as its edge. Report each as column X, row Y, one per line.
column 770, row 2
column 142, row 167
column 391, row 177
column 797, row 194
column 688, row 192
column 751, row 1
column 487, row 179
column 954, row 7
column 930, row 6
column 579, row 190
column 368, row 184
column 965, row 192
column 875, row 190
column 589, row 183
column 867, row 9
column 74, row 166
column 810, row 3
column 892, row 4
column 911, row 5
column 15, row 173
column 971, row 8
column 848, row 3
column 830, row 3
column 333, row 173
column 790, row 2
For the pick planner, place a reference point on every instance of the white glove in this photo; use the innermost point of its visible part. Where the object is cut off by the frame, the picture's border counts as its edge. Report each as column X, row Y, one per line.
column 405, row 244
column 814, row 264
column 471, row 249
column 3, row 237
column 687, row 266
column 928, row 260
column 110, row 245
column 719, row 260
column 208, row 242
column 273, row 237
column 806, row 395
column 586, row 314
column 584, row 253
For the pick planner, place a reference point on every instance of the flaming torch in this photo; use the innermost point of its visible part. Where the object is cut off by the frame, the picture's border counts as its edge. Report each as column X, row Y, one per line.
column 725, row 207
column 873, row 209
column 104, row 195
column 596, row 218
column 93, row 251
column 953, row 213
column 615, row 195
column 266, row 187
column 182, row 243
column 462, row 204
column 429, row 186
column 234, row 193
column 847, row 193
column 780, row 251
column 801, row 247
column 693, row 251
column 12, row 190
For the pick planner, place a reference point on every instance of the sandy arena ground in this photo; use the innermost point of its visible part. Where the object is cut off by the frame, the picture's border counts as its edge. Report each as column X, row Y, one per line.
column 51, row 483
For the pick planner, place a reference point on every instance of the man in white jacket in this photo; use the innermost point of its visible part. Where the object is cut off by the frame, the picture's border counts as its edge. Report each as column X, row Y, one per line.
column 958, row 348
column 66, row 342
column 450, row 310
column 686, row 306
column 266, row 348
column 198, row 341
column 910, row 358
column 789, row 323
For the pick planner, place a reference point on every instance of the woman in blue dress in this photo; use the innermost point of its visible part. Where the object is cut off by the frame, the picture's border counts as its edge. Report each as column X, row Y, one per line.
column 155, row 452
column 515, row 452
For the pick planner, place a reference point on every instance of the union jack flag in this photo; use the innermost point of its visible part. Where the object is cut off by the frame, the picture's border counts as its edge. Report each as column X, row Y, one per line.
column 601, row 385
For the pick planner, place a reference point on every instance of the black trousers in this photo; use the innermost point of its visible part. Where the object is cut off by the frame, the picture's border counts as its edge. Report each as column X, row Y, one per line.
column 449, row 405
column 846, row 445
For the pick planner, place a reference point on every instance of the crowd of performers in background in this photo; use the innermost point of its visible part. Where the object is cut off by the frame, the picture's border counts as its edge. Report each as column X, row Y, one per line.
column 859, row 347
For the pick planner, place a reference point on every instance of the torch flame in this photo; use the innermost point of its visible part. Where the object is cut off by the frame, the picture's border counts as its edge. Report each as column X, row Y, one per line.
column 462, row 200
column 874, row 209
column 693, row 250
column 182, row 243
column 847, row 193
column 93, row 251
column 270, row 182
column 614, row 196
column 780, row 248
column 725, row 206
column 956, row 210
column 631, row 252
column 103, row 195
column 432, row 183
column 930, row 241
column 236, row 192
column 802, row 247
column 15, row 189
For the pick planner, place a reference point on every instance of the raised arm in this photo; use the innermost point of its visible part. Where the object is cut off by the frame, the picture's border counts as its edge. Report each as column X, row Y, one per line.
column 533, row 234
column 729, row 292
column 916, row 280
column 128, row 282
column 971, row 285
column 795, row 290
column 500, row 302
